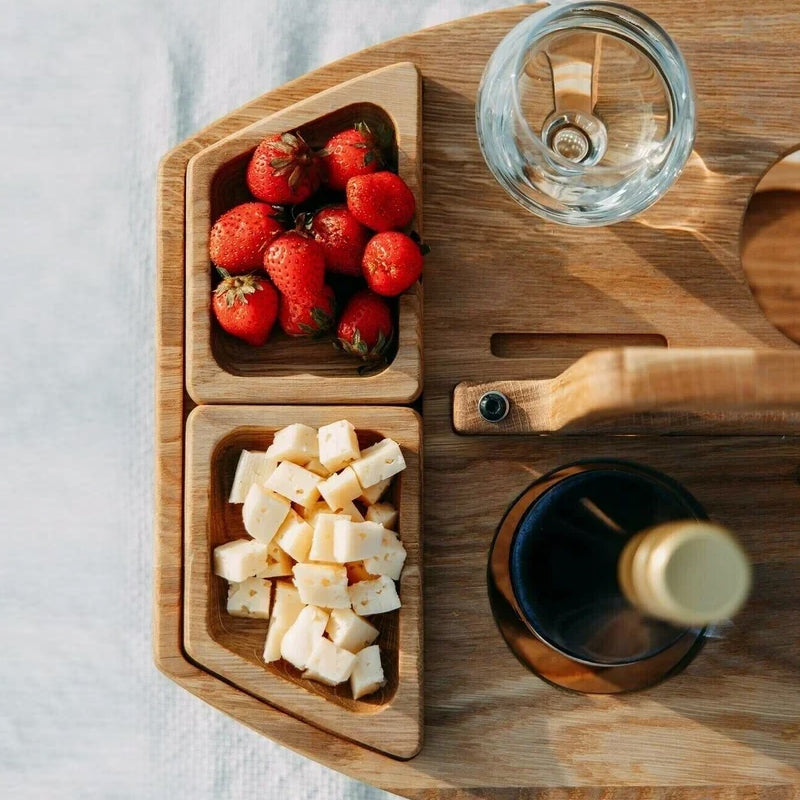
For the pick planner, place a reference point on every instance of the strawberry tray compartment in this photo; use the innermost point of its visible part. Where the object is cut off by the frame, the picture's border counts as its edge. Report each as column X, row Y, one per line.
column 231, row 647
column 221, row 368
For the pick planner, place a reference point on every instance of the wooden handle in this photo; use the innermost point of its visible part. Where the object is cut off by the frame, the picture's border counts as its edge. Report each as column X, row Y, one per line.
column 634, row 389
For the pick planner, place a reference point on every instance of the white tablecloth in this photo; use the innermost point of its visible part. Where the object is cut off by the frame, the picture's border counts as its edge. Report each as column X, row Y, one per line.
column 93, row 93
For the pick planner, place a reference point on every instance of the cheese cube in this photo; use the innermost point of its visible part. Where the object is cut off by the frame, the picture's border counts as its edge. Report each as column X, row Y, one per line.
column 391, row 558
column 298, row 642
column 340, row 488
column 296, row 443
column 383, row 513
column 374, row 597
column 253, row 467
column 318, row 468
column 286, row 607
column 349, row 510
column 329, row 664
column 356, row 571
column 250, row 598
column 239, row 560
column 323, row 585
column 294, row 537
column 322, row 541
column 367, row 674
column 346, row 629
column 263, row 513
column 379, row 462
column 356, row 541
column 374, row 493
column 295, row 484
column 338, row 445
column 278, row 563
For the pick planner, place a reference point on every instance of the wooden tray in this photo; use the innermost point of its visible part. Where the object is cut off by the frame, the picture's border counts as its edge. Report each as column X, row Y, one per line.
column 510, row 297
column 389, row 721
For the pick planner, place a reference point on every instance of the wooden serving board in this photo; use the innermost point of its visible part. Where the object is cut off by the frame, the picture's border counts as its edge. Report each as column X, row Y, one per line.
column 508, row 297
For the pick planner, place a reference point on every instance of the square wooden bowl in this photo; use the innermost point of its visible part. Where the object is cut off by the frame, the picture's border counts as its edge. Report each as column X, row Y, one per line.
column 231, row 647
column 222, row 369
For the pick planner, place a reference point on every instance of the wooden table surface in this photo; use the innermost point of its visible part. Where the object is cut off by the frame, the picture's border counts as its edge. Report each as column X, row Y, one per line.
column 509, row 296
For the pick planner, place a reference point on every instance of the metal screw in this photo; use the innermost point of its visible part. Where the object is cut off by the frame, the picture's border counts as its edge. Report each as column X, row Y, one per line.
column 494, row 406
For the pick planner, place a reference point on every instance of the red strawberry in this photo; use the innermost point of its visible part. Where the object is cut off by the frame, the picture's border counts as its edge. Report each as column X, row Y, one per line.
column 365, row 327
column 246, row 306
column 296, row 264
column 381, row 201
column 283, row 170
column 342, row 238
column 349, row 153
column 392, row 262
column 240, row 236
column 309, row 314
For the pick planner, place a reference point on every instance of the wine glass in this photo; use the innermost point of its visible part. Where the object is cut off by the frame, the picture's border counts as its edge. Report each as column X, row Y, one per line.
column 586, row 112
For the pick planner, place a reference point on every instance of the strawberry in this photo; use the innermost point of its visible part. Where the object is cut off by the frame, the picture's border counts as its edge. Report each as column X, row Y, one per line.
column 349, row 153
column 246, row 306
column 283, row 170
column 240, row 236
column 296, row 264
column 381, row 201
column 392, row 262
column 342, row 238
column 365, row 327
column 309, row 314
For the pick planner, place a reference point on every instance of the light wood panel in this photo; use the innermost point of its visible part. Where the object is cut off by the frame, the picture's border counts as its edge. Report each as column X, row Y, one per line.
column 230, row 647
column 728, row 726
column 222, row 369
column 636, row 389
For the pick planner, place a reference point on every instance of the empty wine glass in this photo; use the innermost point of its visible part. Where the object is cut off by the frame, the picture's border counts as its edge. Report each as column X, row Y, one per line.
column 586, row 112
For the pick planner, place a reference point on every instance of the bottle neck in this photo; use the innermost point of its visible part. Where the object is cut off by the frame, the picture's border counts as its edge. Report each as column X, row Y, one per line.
column 687, row 572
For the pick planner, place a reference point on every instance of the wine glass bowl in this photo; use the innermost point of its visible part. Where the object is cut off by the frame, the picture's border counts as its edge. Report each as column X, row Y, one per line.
column 586, row 113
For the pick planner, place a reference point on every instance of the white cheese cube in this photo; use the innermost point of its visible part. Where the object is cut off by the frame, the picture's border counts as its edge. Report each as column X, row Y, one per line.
column 340, row 488
column 323, row 585
column 318, row 468
column 367, row 674
column 329, row 664
column 338, row 445
column 356, row 541
column 349, row 510
column 383, row 513
column 379, row 462
column 374, row 597
column 263, row 513
column 239, row 560
column 295, row 484
column 322, row 541
column 346, row 629
column 278, row 563
column 286, row 607
column 250, row 598
column 373, row 493
column 391, row 558
column 253, row 467
column 296, row 443
column 298, row 642
column 294, row 537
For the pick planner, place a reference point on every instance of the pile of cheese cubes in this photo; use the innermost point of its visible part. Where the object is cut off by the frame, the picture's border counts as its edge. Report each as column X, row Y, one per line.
column 299, row 506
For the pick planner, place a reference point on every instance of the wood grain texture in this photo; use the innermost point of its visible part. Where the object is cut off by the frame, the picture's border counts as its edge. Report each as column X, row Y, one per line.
column 390, row 720
column 729, row 727
column 222, row 369
column 636, row 389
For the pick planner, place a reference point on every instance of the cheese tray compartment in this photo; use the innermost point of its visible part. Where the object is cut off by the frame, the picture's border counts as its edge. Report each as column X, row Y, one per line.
column 388, row 719
column 221, row 368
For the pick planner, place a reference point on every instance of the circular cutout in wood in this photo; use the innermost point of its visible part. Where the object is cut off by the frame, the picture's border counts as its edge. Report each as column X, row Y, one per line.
column 770, row 244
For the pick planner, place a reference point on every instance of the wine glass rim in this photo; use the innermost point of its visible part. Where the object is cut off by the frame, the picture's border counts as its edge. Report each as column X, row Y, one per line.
column 682, row 102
